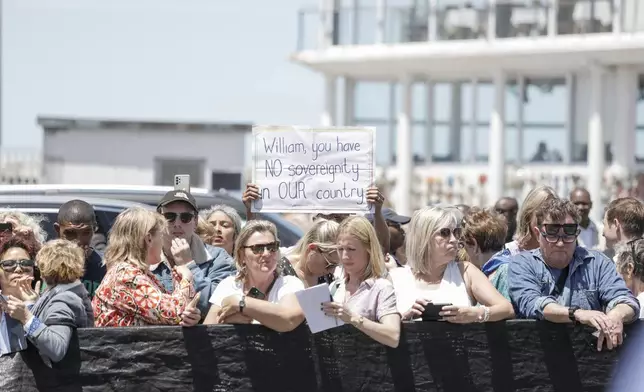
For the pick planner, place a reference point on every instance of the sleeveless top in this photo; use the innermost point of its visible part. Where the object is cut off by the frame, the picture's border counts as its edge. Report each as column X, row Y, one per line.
column 451, row 289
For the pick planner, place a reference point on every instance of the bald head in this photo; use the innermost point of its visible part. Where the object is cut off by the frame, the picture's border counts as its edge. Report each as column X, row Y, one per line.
column 580, row 197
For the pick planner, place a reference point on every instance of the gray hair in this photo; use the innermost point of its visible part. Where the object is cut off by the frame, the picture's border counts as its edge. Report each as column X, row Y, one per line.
column 32, row 222
column 228, row 211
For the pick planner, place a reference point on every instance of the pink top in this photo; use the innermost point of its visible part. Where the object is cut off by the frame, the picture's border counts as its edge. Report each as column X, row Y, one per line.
column 374, row 299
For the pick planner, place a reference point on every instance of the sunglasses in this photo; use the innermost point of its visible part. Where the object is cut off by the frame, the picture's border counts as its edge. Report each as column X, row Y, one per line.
column 11, row 265
column 550, row 232
column 185, row 217
column 329, row 264
column 447, row 232
column 259, row 249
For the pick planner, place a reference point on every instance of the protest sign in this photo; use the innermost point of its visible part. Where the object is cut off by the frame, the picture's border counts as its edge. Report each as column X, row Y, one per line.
column 313, row 169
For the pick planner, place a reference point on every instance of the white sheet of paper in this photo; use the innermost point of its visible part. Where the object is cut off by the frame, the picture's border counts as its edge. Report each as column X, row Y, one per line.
column 310, row 301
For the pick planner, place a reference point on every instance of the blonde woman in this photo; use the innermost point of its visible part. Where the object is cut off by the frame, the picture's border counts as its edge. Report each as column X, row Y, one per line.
column 130, row 295
column 436, row 277
column 315, row 255
column 364, row 298
column 258, row 293
column 50, row 324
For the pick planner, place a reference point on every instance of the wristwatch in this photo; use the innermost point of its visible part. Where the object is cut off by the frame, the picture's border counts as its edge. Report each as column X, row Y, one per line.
column 358, row 322
column 242, row 304
column 571, row 313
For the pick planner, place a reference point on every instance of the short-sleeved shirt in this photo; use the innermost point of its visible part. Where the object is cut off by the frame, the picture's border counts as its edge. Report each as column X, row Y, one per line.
column 230, row 286
column 374, row 299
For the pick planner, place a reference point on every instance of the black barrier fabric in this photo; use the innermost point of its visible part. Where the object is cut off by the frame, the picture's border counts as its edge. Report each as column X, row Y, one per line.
column 510, row 356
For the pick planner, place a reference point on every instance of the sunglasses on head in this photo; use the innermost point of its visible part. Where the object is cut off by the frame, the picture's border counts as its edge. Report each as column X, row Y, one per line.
column 447, row 232
column 11, row 265
column 185, row 217
column 551, row 232
column 259, row 249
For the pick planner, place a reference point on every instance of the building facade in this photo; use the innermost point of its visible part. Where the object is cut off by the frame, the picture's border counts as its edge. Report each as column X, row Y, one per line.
column 99, row 151
column 491, row 57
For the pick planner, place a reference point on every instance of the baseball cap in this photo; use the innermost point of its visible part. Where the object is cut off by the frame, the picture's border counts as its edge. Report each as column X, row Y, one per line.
column 392, row 216
column 178, row 195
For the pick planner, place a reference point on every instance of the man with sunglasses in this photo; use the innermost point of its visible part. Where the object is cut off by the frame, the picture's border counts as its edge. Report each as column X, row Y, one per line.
column 181, row 246
column 565, row 283
column 508, row 208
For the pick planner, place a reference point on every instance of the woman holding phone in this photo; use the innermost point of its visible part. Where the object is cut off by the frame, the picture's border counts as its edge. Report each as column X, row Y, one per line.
column 435, row 282
column 258, row 293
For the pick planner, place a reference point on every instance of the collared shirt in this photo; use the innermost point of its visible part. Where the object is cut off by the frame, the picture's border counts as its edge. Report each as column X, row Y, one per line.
column 374, row 299
column 593, row 283
column 589, row 237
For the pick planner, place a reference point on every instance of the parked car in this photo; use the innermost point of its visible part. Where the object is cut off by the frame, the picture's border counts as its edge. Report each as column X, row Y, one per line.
column 47, row 206
column 151, row 195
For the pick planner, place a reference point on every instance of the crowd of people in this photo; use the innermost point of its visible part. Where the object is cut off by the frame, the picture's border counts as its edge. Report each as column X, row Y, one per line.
column 181, row 266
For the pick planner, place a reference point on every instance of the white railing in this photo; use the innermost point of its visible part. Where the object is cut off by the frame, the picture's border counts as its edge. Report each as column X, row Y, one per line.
column 20, row 166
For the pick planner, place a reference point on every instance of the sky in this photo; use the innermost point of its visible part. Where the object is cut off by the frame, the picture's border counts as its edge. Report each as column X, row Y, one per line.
column 199, row 60
column 196, row 60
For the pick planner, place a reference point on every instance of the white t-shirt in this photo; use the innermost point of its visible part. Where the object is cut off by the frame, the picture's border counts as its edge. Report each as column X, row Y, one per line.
column 640, row 298
column 230, row 286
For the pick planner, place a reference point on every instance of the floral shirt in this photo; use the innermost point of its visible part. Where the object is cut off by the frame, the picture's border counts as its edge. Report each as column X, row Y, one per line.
column 130, row 296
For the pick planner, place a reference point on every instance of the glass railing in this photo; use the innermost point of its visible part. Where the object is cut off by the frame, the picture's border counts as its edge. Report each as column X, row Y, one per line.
column 466, row 21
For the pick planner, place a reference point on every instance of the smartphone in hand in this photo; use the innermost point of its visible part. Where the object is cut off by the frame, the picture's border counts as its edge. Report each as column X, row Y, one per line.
column 432, row 310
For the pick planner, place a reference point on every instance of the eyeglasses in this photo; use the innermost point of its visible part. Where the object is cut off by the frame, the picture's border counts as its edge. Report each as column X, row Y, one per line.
column 447, row 232
column 329, row 264
column 550, row 232
column 185, row 217
column 11, row 265
column 259, row 249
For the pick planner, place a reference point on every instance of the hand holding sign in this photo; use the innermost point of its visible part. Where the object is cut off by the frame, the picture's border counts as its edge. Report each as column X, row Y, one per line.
column 313, row 169
column 376, row 198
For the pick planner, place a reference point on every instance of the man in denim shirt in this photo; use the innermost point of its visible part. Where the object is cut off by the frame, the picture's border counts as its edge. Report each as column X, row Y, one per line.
column 181, row 246
column 563, row 283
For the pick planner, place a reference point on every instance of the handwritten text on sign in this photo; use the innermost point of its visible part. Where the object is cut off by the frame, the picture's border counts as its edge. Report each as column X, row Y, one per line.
column 313, row 170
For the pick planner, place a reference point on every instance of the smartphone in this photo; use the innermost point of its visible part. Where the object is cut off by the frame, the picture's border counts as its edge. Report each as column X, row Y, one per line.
column 432, row 310
column 255, row 293
column 6, row 227
column 182, row 182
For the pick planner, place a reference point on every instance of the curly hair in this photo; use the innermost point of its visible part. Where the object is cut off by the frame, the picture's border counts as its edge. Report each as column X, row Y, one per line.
column 61, row 262
column 31, row 222
column 19, row 240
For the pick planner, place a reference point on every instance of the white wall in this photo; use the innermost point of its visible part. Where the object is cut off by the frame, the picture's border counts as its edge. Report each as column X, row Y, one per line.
column 128, row 157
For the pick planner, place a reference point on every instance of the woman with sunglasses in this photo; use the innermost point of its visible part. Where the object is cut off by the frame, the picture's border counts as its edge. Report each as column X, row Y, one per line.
column 435, row 277
column 315, row 255
column 258, row 293
column 17, row 267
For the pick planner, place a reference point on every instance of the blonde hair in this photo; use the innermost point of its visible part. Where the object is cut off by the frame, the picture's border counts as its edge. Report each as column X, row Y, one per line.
column 252, row 227
column 205, row 231
column 60, row 262
column 361, row 229
column 424, row 225
column 323, row 234
column 32, row 222
column 529, row 207
column 126, row 240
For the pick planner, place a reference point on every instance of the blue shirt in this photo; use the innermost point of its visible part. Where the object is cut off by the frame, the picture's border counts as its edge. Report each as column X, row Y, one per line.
column 206, row 275
column 7, row 324
column 593, row 283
